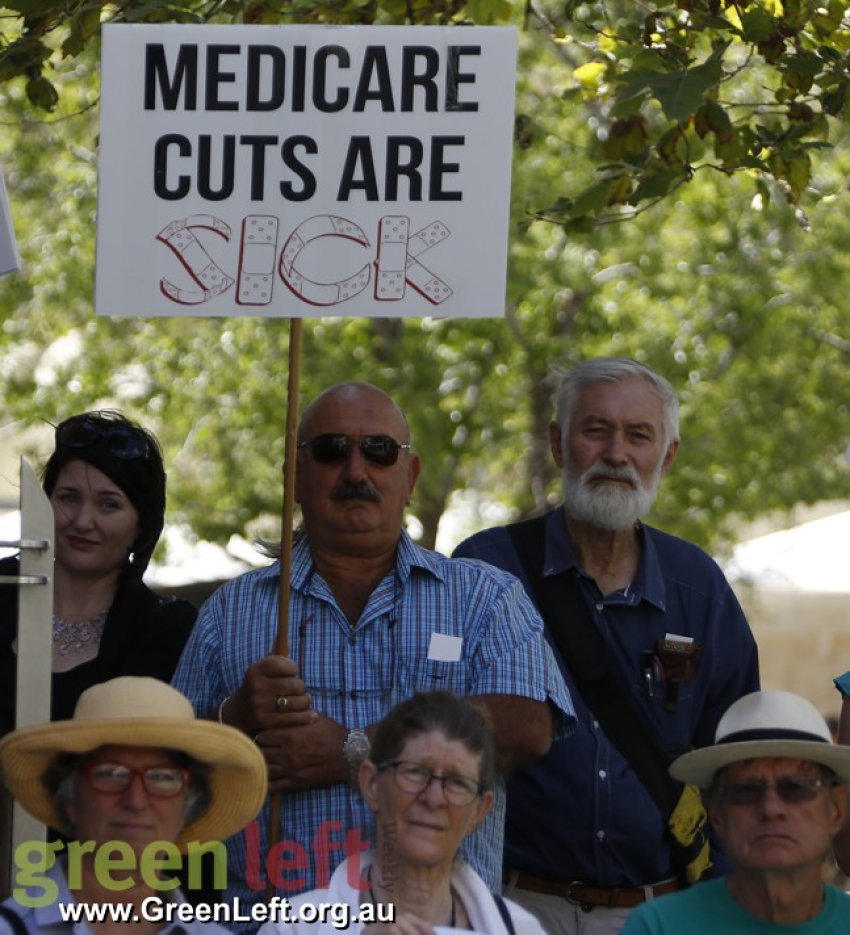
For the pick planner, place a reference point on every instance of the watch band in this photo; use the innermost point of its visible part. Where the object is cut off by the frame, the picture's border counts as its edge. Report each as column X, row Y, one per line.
column 355, row 750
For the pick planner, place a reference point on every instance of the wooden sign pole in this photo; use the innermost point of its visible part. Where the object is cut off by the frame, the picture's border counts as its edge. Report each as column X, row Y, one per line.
column 289, row 451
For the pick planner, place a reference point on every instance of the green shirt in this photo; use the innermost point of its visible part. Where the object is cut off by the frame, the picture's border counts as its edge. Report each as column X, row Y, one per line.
column 708, row 908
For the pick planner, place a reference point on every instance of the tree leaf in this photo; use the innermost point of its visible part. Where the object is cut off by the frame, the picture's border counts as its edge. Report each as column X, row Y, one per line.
column 680, row 93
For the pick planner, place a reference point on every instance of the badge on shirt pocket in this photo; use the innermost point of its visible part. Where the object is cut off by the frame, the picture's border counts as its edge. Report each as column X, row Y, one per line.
column 441, row 670
column 669, row 668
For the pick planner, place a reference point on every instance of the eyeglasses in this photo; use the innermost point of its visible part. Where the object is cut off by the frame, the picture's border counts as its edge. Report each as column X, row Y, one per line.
column 160, row 781
column 334, row 449
column 413, row 778
column 794, row 790
column 121, row 440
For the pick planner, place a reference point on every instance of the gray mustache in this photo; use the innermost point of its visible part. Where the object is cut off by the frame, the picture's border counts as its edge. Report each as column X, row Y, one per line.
column 612, row 473
column 358, row 491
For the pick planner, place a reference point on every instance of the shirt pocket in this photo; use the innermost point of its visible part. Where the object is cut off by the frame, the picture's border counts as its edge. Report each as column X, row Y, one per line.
column 653, row 682
column 672, row 730
column 425, row 675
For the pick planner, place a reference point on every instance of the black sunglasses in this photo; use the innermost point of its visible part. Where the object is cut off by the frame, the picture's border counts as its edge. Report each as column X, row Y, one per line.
column 793, row 790
column 334, row 449
column 121, row 440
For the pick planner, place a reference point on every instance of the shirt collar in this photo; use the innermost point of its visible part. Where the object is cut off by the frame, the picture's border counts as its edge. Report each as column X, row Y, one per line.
column 409, row 556
column 560, row 556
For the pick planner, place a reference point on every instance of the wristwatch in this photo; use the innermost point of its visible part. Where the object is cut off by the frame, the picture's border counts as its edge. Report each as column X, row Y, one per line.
column 355, row 749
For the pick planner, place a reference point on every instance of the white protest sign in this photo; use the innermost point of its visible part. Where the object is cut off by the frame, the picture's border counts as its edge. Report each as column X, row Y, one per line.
column 9, row 259
column 303, row 171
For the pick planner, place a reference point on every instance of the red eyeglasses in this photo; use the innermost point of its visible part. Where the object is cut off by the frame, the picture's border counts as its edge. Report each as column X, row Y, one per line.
column 160, row 781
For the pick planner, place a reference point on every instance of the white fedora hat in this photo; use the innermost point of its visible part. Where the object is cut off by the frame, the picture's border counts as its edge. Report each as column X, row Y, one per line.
column 141, row 712
column 767, row 723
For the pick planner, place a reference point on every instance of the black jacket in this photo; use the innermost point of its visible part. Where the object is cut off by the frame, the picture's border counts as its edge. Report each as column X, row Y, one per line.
column 144, row 634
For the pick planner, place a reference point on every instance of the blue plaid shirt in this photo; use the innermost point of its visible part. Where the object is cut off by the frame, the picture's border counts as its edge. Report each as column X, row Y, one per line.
column 356, row 674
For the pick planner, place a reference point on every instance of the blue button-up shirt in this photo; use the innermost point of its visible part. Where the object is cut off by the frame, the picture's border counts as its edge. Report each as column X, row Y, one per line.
column 492, row 643
column 581, row 812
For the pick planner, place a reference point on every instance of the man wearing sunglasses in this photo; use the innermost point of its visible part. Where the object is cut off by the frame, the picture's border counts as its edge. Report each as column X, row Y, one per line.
column 373, row 618
column 776, row 795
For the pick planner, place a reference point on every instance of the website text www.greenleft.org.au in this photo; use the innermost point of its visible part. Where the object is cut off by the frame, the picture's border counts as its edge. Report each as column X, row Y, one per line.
column 228, row 912
column 117, row 867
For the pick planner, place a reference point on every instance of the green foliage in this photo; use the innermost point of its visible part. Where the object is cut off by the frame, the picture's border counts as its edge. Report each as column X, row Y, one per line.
column 728, row 120
column 759, row 84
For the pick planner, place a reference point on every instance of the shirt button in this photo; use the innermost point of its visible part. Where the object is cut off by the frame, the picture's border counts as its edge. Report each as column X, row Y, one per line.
column 602, row 774
column 600, row 835
column 599, row 607
column 596, row 725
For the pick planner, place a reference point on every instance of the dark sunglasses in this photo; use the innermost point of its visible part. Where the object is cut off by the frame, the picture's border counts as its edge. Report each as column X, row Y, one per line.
column 793, row 790
column 335, row 449
column 160, row 781
column 121, row 440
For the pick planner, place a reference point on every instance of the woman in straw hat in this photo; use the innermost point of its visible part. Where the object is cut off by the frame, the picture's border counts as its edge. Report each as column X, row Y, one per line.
column 135, row 777
column 776, row 794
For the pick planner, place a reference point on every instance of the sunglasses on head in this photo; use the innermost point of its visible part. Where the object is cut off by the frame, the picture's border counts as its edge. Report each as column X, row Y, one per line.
column 793, row 790
column 334, row 449
column 123, row 441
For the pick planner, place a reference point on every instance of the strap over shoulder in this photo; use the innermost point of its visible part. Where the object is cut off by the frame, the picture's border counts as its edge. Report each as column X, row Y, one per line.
column 569, row 623
column 505, row 914
column 16, row 923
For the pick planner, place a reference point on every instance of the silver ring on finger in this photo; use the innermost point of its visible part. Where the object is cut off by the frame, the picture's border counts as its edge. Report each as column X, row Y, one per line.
column 280, row 703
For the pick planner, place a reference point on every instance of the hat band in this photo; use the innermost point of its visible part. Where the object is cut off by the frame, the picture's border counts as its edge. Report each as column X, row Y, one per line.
column 771, row 733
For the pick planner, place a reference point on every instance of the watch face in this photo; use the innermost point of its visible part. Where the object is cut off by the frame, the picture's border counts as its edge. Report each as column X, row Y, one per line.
column 356, row 745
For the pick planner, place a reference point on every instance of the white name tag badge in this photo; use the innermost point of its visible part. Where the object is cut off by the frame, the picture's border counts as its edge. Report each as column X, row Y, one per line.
column 445, row 648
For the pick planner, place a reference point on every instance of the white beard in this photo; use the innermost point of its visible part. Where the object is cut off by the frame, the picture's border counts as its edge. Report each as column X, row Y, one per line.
column 611, row 506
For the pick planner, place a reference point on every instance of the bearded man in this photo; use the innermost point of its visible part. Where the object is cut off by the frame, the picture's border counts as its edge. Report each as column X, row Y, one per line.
column 586, row 839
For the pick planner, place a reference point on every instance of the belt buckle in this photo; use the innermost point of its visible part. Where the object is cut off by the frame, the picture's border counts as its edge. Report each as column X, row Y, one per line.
column 584, row 906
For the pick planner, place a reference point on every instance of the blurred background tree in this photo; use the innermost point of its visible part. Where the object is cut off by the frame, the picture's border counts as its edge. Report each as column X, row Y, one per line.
column 678, row 196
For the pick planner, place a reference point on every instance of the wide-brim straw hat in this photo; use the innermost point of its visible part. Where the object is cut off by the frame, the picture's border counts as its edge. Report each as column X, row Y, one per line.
column 141, row 712
column 765, row 724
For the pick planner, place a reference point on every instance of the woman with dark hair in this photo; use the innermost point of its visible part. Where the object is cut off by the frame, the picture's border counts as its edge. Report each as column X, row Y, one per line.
column 429, row 779
column 106, row 484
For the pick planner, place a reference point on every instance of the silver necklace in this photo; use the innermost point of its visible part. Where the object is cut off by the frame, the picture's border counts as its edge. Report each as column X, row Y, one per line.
column 73, row 636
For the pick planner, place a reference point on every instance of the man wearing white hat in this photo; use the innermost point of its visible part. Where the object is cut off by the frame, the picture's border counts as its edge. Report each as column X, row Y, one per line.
column 135, row 779
column 776, row 795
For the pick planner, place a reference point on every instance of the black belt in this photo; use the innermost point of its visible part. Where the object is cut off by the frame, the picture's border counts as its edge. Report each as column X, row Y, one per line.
column 586, row 895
